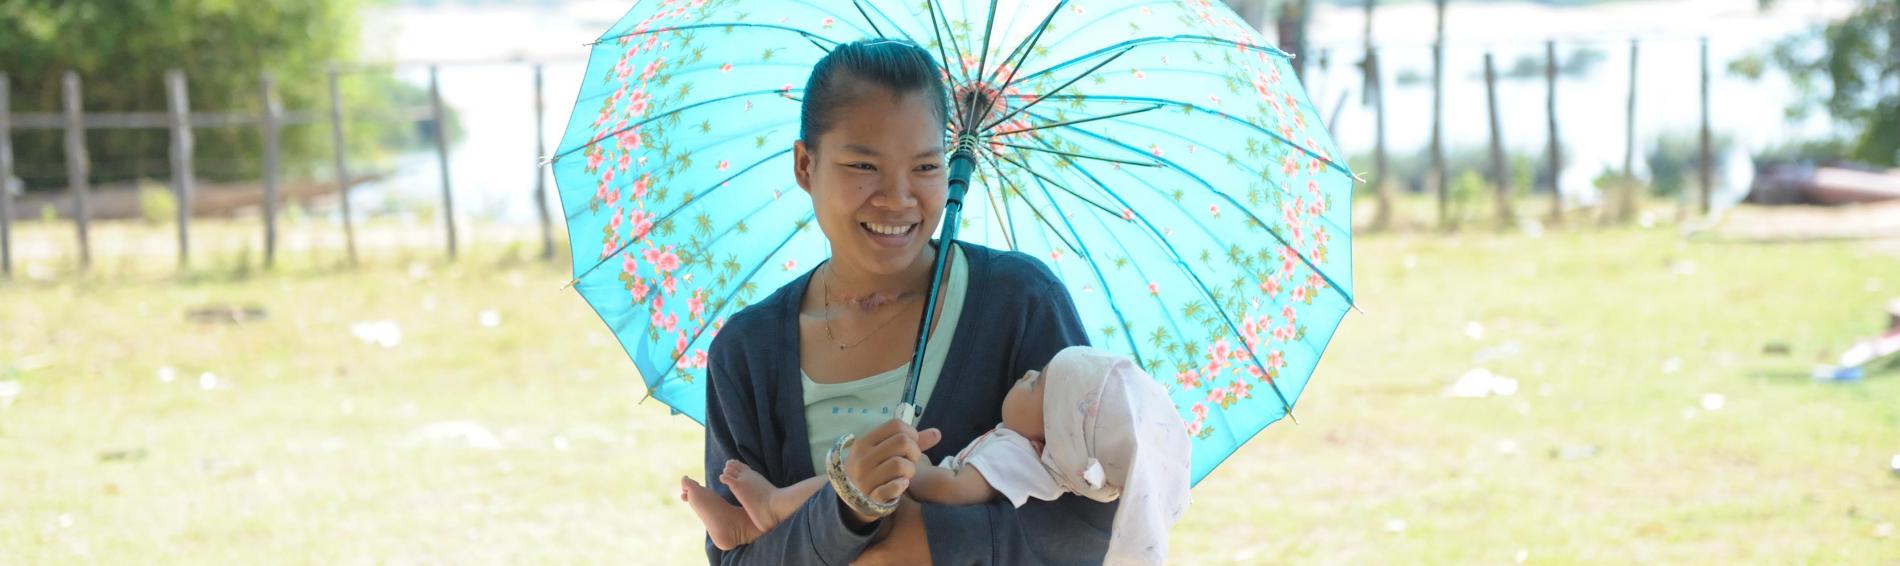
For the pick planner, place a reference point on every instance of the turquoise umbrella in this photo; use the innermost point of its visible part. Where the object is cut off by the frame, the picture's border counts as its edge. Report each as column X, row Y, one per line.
column 1158, row 156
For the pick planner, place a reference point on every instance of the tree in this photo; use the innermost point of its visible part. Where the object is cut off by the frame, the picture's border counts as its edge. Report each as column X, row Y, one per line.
column 1858, row 57
column 122, row 49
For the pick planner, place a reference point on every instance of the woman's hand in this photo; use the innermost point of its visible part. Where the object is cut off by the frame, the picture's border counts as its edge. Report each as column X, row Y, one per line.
column 884, row 460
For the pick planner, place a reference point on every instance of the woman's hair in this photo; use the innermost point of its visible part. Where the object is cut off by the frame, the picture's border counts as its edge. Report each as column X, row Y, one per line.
column 898, row 66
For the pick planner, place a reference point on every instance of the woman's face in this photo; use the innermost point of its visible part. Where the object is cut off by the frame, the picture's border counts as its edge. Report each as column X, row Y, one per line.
column 877, row 179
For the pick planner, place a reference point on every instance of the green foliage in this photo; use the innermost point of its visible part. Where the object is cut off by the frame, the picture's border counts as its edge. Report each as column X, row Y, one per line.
column 122, row 49
column 1848, row 68
column 1674, row 157
column 156, row 204
column 1412, row 171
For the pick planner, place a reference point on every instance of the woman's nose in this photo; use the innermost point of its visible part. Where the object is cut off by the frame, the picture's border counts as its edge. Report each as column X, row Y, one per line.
column 896, row 192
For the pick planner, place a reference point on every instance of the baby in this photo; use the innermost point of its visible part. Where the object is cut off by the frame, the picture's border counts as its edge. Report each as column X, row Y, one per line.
column 1091, row 423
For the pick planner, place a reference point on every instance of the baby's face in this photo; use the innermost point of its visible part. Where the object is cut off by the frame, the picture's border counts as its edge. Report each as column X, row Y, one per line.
column 1022, row 407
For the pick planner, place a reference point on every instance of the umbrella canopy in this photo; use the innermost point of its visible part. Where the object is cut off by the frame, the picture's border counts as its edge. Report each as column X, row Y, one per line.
column 1158, row 156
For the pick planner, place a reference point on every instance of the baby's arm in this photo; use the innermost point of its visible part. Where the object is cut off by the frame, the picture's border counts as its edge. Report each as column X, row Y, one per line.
column 943, row 486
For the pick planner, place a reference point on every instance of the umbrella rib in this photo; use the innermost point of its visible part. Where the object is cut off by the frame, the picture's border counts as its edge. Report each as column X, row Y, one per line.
column 1009, row 220
column 1206, row 292
column 1132, row 44
column 983, row 61
column 1230, row 200
column 942, row 56
column 1039, row 100
column 1021, row 53
column 808, row 35
column 688, row 200
column 602, row 137
column 1088, row 259
column 1025, row 166
column 1073, row 122
column 1131, row 209
column 1225, row 116
column 936, row 12
column 1236, row 204
column 867, row 18
column 1078, row 155
column 727, row 300
column 1037, row 213
column 628, row 180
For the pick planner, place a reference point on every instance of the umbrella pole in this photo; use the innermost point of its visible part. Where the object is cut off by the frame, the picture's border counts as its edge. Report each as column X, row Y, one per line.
column 962, row 164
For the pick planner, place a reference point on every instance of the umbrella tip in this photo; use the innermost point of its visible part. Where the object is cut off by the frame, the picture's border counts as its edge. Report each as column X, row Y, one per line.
column 1293, row 417
column 569, row 284
column 547, row 160
column 1355, row 307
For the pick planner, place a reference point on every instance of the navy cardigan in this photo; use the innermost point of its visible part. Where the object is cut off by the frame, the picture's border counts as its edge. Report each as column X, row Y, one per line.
column 1016, row 317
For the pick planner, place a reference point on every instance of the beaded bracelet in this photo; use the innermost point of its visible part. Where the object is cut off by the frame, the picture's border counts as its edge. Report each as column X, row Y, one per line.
column 848, row 492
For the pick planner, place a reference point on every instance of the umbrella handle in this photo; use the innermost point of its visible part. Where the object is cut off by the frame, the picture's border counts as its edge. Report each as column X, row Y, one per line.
column 848, row 492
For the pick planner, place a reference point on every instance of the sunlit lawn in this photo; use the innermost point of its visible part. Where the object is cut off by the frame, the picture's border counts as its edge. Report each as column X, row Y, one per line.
column 524, row 442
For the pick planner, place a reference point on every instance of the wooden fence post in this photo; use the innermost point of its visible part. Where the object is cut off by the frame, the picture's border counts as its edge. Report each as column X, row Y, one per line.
column 442, row 155
column 272, row 111
column 1627, row 207
column 342, row 170
column 1440, row 177
column 78, row 166
column 6, row 178
column 1382, row 183
column 179, row 102
column 1500, row 168
column 1708, row 161
column 1555, row 154
column 540, row 170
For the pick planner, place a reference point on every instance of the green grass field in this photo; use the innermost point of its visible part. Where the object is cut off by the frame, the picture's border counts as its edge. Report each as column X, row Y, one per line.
column 523, row 442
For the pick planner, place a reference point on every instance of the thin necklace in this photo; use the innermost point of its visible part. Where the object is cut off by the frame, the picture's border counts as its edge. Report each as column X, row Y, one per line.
column 832, row 334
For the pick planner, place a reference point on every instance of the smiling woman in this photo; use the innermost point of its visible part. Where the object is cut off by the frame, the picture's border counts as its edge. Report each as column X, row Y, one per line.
column 828, row 353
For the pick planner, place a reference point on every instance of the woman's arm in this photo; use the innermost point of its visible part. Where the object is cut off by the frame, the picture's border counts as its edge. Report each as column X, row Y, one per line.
column 817, row 533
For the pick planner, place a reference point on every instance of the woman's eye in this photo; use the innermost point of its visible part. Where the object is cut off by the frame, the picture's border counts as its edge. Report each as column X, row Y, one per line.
column 861, row 166
column 928, row 167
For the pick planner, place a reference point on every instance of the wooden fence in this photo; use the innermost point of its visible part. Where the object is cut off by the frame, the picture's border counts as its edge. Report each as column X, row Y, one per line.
column 181, row 119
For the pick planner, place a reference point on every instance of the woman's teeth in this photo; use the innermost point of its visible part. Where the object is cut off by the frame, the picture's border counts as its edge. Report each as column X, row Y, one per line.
column 888, row 230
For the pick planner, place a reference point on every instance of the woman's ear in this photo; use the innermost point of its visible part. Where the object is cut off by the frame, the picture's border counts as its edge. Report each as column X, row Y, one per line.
column 802, row 164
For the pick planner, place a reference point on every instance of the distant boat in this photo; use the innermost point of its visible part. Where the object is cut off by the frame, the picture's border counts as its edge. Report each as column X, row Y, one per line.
column 1826, row 185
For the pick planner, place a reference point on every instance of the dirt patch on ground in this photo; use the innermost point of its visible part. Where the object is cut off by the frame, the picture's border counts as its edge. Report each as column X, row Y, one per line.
column 1878, row 221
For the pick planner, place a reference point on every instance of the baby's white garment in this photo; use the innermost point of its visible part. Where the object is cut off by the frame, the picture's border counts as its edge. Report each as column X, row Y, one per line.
column 1010, row 464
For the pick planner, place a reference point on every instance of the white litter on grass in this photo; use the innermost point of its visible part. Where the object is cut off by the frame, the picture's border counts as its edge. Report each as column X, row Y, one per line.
column 1671, row 365
column 1507, row 446
column 1499, row 352
column 489, row 319
column 1682, row 267
column 1395, row 525
column 1883, row 530
column 418, row 270
column 167, row 374
column 1896, row 463
column 1522, row 555
column 8, row 390
column 1410, row 261
column 1480, row 383
column 469, row 432
column 1713, row 402
column 208, row 381
column 383, row 333
column 560, row 444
